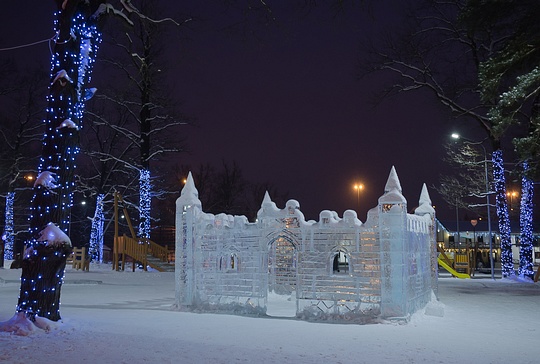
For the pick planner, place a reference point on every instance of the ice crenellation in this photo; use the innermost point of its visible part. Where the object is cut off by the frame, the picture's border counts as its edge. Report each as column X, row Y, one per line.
column 336, row 268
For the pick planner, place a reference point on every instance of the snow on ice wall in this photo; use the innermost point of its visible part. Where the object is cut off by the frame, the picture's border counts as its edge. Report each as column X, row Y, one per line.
column 336, row 268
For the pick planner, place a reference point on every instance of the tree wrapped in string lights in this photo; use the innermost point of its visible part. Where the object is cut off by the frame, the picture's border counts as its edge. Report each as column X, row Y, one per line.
column 507, row 264
column 76, row 43
column 526, row 222
column 43, row 264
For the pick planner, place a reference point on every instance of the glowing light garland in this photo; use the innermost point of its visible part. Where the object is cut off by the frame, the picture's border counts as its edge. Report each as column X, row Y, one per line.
column 43, row 264
column 144, row 203
column 525, row 223
column 8, row 236
column 96, row 233
column 507, row 265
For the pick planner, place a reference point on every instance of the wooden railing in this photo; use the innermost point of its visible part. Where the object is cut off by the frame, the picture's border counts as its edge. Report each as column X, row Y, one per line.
column 156, row 250
column 138, row 250
column 125, row 246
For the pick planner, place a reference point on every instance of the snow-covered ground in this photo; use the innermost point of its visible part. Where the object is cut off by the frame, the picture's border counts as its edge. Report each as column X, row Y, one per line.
column 125, row 317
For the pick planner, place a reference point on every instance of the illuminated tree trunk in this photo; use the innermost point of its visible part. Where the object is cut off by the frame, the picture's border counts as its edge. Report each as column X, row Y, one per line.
column 525, row 222
column 9, row 228
column 145, row 114
column 45, row 258
column 96, row 233
column 507, row 264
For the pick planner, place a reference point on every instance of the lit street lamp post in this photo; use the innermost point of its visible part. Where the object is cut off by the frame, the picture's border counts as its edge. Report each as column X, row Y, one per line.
column 511, row 195
column 475, row 244
column 457, row 136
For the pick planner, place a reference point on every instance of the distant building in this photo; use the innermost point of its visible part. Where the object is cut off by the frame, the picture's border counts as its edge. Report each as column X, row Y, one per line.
column 454, row 237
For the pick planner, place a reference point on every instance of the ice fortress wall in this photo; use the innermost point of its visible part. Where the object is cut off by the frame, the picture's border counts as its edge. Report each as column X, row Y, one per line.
column 224, row 263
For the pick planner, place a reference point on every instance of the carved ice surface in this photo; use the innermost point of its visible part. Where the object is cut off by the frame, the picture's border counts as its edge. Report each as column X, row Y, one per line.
column 334, row 269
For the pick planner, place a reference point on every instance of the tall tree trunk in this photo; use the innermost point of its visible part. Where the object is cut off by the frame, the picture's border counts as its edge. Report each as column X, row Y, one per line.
column 96, row 233
column 9, row 227
column 145, row 187
column 507, row 264
column 45, row 258
column 525, row 222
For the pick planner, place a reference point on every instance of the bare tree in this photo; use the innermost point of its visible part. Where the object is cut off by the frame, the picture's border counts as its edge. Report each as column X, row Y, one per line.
column 440, row 54
column 20, row 137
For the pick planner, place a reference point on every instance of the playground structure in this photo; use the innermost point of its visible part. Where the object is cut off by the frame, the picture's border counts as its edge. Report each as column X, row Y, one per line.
column 334, row 269
column 139, row 250
column 460, row 261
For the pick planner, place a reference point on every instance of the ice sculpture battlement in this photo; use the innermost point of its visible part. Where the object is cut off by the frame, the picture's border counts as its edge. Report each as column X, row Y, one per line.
column 334, row 269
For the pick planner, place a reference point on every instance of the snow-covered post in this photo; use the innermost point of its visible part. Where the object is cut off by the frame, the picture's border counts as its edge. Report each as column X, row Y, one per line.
column 392, row 210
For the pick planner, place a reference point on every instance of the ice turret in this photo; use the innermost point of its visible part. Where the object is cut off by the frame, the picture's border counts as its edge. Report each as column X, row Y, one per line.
column 424, row 204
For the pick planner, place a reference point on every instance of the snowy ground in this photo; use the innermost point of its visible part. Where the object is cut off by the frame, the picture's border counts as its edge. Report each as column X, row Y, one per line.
column 125, row 317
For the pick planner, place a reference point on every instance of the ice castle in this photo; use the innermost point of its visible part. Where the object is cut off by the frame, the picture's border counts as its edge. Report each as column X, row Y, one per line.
column 336, row 269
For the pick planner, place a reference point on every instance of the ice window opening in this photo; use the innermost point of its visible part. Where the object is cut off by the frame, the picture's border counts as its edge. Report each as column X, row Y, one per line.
column 340, row 263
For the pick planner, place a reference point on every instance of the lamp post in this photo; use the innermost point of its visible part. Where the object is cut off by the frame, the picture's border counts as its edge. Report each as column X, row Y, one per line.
column 457, row 136
column 474, row 222
column 358, row 187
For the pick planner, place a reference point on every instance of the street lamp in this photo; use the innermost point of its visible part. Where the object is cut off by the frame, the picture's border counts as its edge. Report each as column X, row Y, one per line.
column 511, row 195
column 358, row 187
column 457, row 136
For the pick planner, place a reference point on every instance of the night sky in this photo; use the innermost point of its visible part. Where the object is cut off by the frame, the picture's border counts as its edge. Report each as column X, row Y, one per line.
column 286, row 102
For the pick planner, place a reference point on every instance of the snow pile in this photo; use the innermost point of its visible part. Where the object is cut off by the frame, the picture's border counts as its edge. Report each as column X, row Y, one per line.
column 54, row 236
column 46, row 179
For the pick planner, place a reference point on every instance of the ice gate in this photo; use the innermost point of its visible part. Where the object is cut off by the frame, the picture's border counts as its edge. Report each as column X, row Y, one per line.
column 335, row 269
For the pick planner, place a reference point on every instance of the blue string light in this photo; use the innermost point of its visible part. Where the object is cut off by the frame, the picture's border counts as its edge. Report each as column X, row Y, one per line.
column 96, row 233
column 144, row 203
column 525, row 222
column 9, row 229
column 507, row 264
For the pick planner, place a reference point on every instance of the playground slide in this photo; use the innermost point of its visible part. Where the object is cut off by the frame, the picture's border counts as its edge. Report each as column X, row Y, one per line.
column 451, row 270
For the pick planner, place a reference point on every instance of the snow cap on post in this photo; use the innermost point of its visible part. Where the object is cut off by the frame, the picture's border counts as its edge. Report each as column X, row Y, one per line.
column 189, row 196
column 392, row 190
column 424, row 204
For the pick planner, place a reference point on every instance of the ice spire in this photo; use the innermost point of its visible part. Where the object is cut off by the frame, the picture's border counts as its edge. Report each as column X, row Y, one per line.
column 393, row 182
column 392, row 190
column 189, row 196
column 424, row 203
column 266, row 199
column 267, row 206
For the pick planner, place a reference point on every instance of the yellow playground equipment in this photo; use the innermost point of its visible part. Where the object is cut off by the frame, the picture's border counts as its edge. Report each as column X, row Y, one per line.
column 460, row 261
